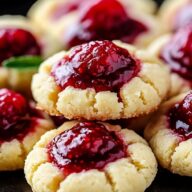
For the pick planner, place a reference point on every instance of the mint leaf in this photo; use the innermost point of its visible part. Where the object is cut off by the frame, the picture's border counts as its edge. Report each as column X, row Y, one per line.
column 23, row 62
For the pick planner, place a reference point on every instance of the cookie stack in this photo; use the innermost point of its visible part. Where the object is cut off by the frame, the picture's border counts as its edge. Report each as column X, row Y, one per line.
column 95, row 84
column 97, row 81
column 112, row 73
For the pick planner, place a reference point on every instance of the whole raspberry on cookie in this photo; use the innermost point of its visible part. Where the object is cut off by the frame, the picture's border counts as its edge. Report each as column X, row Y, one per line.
column 20, row 128
column 90, row 156
column 175, row 51
column 100, row 80
column 170, row 134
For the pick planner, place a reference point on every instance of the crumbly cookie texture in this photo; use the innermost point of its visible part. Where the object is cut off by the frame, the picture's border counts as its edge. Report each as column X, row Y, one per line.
column 168, row 11
column 172, row 153
column 178, row 84
column 140, row 96
column 14, row 152
column 120, row 175
column 138, row 9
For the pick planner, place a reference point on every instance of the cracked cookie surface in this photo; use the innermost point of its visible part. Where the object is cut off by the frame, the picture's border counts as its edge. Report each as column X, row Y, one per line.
column 137, row 160
column 21, row 126
column 169, row 134
column 141, row 93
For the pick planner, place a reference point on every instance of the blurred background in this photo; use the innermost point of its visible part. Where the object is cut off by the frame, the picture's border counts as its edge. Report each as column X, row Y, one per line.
column 21, row 6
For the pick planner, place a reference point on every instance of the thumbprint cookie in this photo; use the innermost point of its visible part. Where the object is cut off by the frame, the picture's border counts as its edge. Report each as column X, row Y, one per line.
column 174, row 50
column 100, row 80
column 21, row 126
column 90, row 156
column 170, row 134
column 75, row 22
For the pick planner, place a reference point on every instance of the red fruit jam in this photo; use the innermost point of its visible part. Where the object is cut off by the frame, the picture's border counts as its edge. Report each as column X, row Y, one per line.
column 104, row 20
column 13, row 115
column 180, row 118
column 58, row 120
column 86, row 146
column 17, row 42
column 65, row 8
column 177, row 53
column 183, row 17
column 101, row 65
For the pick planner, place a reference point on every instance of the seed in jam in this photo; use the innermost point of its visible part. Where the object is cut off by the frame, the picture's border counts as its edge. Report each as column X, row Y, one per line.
column 17, row 42
column 99, row 21
column 177, row 53
column 13, row 115
column 101, row 65
column 180, row 118
column 85, row 146
column 183, row 17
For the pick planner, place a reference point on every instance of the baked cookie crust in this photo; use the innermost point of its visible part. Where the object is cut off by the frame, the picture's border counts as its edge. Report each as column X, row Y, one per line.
column 172, row 153
column 120, row 175
column 13, row 153
column 140, row 96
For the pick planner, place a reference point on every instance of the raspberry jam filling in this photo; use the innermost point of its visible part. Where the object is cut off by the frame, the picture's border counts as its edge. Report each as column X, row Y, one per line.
column 58, row 120
column 183, row 17
column 85, row 146
column 99, row 21
column 180, row 118
column 17, row 42
column 177, row 53
column 101, row 65
column 14, row 116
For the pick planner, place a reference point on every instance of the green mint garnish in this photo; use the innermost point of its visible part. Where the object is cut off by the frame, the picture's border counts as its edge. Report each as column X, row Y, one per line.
column 23, row 62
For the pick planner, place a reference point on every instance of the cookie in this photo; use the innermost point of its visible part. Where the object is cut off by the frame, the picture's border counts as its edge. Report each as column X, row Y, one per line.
column 52, row 12
column 174, row 50
column 90, row 156
column 175, row 14
column 77, row 22
column 17, row 39
column 21, row 126
column 169, row 134
column 100, row 80
column 21, row 22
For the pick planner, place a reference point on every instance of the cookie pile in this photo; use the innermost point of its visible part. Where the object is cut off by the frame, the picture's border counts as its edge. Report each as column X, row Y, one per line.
column 84, row 83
